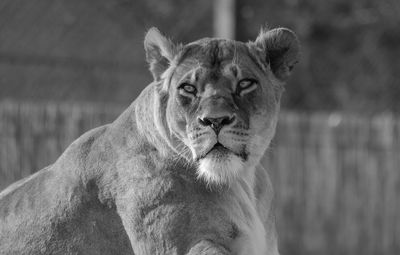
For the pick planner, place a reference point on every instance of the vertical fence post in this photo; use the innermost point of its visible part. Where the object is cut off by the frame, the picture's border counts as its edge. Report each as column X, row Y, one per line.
column 224, row 19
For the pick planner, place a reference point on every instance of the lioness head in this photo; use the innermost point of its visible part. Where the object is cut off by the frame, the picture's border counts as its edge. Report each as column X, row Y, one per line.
column 219, row 99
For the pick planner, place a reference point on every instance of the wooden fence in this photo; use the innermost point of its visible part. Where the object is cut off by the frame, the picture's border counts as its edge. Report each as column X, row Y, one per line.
column 336, row 177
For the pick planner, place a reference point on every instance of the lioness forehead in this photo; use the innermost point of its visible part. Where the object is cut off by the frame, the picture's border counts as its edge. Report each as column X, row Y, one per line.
column 215, row 53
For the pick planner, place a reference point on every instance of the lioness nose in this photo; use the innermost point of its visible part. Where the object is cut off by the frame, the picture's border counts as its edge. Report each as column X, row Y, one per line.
column 217, row 123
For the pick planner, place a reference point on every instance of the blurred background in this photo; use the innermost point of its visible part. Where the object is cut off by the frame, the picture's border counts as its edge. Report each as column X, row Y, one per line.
column 68, row 66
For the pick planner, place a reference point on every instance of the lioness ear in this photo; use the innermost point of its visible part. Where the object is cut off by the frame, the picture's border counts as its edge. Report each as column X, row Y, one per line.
column 280, row 47
column 160, row 51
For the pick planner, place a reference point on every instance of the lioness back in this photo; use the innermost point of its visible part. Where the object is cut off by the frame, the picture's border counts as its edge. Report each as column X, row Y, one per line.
column 178, row 172
column 54, row 212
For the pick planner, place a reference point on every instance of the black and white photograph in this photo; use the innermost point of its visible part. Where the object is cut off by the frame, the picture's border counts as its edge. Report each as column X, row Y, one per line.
column 203, row 127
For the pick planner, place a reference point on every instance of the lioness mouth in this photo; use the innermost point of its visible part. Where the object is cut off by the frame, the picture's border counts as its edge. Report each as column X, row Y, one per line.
column 218, row 146
column 220, row 151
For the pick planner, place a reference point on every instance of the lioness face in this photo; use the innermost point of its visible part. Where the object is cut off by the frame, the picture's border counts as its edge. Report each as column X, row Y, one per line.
column 223, row 104
column 227, row 107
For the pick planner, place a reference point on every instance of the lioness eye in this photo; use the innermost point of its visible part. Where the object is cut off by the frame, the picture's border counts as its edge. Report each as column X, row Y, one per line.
column 246, row 85
column 188, row 88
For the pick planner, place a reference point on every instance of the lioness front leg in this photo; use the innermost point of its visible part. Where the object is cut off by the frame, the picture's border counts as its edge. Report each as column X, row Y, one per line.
column 206, row 247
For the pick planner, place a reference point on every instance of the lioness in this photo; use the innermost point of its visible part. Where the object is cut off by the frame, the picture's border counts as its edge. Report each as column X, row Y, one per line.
column 178, row 172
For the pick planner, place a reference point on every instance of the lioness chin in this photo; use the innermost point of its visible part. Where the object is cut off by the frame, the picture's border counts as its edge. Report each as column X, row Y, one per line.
column 178, row 172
